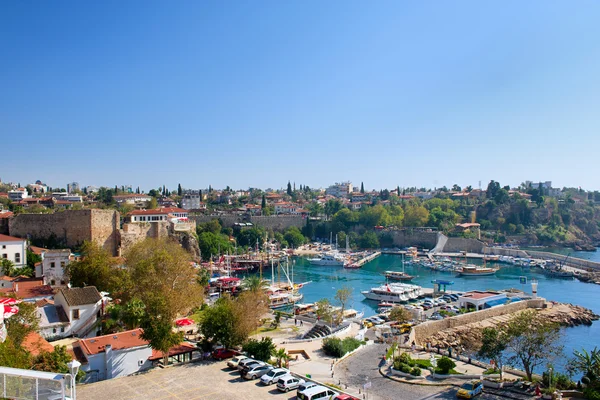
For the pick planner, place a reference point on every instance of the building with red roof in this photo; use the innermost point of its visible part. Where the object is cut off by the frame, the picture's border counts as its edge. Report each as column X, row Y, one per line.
column 157, row 215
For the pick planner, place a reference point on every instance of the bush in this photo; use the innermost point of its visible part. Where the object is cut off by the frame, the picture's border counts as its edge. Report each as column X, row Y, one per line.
column 491, row 371
column 415, row 371
column 335, row 347
column 591, row 393
column 260, row 350
column 405, row 368
column 445, row 364
column 405, row 358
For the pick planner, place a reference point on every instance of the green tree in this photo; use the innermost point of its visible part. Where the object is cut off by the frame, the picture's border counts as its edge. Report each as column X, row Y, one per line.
column 415, row 215
column 281, row 355
column 95, row 268
column 587, row 363
column 152, row 204
column 493, row 346
column 294, row 237
column 133, row 313
column 157, row 325
column 332, row 206
column 260, row 350
column 400, row 314
column 343, row 296
column 179, row 190
column 369, row 240
column 254, row 283
column 219, row 323
column 33, row 259
column 324, row 311
column 362, row 188
column 8, row 267
column 532, row 341
column 54, row 361
column 289, row 189
column 264, row 202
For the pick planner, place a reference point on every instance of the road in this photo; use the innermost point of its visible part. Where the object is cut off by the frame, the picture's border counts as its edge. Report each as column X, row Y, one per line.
column 363, row 367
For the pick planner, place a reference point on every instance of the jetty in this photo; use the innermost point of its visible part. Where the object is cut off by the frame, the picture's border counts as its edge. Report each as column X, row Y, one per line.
column 362, row 261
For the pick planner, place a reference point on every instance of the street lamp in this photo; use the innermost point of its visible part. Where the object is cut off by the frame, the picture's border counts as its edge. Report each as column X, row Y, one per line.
column 73, row 369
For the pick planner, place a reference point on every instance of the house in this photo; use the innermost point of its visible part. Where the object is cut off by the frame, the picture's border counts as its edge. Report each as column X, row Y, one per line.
column 272, row 198
column 482, row 299
column 113, row 356
column 18, row 194
column 14, row 249
column 35, row 344
column 157, row 215
column 358, row 197
column 77, row 310
column 52, row 267
column 285, row 208
column 26, row 289
column 165, row 201
column 340, row 189
column 5, row 217
column 132, row 198
column 192, row 200
column 471, row 227
column 253, row 209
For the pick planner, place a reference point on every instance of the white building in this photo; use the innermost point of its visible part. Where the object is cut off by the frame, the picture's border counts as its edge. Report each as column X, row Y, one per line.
column 285, row 208
column 77, row 311
column 536, row 185
column 113, row 356
column 341, row 189
column 479, row 299
column 18, row 194
column 14, row 249
column 192, row 201
column 157, row 215
column 73, row 187
column 52, row 267
column 132, row 198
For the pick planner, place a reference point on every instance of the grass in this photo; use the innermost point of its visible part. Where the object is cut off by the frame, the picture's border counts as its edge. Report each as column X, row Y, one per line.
column 451, row 372
column 422, row 363
column 197, row 316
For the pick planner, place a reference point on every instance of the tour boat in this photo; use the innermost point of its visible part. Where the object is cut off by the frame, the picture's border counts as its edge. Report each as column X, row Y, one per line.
column 393, row 293
column 329, row 260
column 398, row 276
column 474, row 270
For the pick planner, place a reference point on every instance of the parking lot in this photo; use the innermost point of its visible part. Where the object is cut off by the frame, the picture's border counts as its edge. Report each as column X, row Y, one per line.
column 205, row 380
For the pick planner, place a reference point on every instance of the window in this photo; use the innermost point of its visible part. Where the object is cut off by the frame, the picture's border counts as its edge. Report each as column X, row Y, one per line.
column 52, row 264
column 76, row 314
column 62, row 329
column 3, row 246
column 52, row 282
column 62, row 264
column 4, row 255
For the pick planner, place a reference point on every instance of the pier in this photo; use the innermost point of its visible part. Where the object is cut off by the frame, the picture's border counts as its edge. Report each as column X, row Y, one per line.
column 366, row 259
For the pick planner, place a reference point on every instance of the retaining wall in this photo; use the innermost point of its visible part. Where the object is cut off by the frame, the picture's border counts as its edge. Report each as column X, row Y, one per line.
column 421, row 332
column 456, row 245
column 409, row 237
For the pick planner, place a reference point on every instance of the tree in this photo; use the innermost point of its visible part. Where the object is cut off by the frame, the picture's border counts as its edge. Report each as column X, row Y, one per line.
column 218, row 323
column 157, row 325
column 54, row 361
column 289, row 189
column 400, row 315
column 179, row 190
column 152, row 204
column 33, row 258
column 213, row 244
column 324, row 310
column 332, row 206
column 264, row 202
column 8, row 267
column 95, row 268
column 493, row 347
column 445, row 364
column 254, row 283
column 260, row 350
column 294, row 237
column 531, row 340
column 588, row 363
column 163, row 275
column 415, row 215
column 281, row 355
column 369, row 240
column 492, row 189
column 343, row 296
column 362, row 188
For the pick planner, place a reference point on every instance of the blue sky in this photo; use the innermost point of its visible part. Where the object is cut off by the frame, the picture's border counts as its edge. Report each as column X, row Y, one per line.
column 256, row 93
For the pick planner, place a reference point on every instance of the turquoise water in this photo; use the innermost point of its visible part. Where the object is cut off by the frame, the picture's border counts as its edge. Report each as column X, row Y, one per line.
column 326, row 280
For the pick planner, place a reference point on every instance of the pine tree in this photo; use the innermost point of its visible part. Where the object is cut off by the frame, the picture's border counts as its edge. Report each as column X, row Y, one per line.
column 289, row 188
column 179, row 190
column 398, row 190
column 116, row 190
column 362, row 188
column 264, row 202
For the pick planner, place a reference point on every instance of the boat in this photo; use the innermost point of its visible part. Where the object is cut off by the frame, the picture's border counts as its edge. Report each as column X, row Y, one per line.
column 393, row 292
column 329, row 260
column 384, row 307
column 559, row 273
column 398, row 276
column 475, row 270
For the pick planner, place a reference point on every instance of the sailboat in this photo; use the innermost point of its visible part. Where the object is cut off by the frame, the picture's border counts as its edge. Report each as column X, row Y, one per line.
column 397, row 275
column 283, row 294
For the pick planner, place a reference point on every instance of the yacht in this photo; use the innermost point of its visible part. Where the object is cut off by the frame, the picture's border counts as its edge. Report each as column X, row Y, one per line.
column 474, row 270
column 398, row 276
column 394, row 293
column 328, row 259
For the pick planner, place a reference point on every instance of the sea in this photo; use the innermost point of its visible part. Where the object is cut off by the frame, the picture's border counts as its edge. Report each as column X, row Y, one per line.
column 325, row 281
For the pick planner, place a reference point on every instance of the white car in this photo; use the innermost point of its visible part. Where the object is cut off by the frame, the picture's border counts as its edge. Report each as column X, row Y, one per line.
column 288, row 383
column 273, row 376
column 233, row 363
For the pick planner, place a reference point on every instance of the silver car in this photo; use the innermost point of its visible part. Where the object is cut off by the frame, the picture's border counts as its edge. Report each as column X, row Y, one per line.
column 256, row 372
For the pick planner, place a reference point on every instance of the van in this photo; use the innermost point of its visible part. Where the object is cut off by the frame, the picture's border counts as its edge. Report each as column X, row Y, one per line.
column 316, row 392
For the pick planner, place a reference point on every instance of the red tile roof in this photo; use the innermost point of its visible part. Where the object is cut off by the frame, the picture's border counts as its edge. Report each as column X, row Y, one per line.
column 37, row 250
column 29, row 288
column 159, row 211
column 5, row 238
column 6, row 214
column 118, row 341
column 173, row 351
column 35, row 344
column 477, row 295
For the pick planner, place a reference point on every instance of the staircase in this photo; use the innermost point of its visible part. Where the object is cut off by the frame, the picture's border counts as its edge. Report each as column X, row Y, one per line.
column 317, row 331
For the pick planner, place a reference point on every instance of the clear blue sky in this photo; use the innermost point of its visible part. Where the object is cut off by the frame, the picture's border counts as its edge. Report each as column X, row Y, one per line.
column 256, row 93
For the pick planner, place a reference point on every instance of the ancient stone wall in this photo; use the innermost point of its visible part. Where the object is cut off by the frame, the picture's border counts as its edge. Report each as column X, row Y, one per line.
column 421, row 332
column 70, row 228
column 410, row 237
column 456, row 245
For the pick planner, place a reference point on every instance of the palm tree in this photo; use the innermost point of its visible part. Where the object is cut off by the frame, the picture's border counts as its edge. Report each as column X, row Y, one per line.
column 281, row 355
column 588, row 363
column 8, row 267
column 254, row 283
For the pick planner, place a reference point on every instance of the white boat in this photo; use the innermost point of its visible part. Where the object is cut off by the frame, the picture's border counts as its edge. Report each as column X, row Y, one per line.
column 393, row 293
column 474, row 270
column 328, row 259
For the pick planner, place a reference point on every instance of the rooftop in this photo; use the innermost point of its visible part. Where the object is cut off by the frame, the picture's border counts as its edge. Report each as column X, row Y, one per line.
column 35, row 344
column 6, row 238
column 118, row 341
column 478, row 295
column 81, row 296
column 159, row 211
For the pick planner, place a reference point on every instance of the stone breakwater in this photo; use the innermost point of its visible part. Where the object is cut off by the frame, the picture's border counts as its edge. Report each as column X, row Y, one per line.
column 469, row 336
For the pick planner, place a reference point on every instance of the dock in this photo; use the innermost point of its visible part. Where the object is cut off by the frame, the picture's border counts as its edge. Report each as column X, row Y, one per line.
column 366, row 259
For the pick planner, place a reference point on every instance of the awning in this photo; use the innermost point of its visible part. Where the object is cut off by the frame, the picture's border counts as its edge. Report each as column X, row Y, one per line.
column 8, row 301
column 184, row 322
column 493, row 303
column 9, row 311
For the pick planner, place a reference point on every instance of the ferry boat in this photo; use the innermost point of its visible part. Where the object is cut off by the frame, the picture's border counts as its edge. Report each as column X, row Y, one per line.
column 394, row 293
column 398, row 276
column 474, row 270
column 327, row 259
column 281, row 297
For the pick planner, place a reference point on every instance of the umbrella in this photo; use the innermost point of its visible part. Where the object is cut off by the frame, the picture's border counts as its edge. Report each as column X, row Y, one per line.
column 184, row 322
column 9, row 311
column 9, row 301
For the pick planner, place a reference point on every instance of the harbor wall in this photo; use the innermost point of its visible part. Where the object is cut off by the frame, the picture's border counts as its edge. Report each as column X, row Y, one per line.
column 410, row 237
column 456, row 245
column 559, row 258
column 274, row 222
column 70, row 228
column 421, row 332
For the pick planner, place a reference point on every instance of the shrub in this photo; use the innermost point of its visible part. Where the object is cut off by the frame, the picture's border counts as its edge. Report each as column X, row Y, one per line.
column 260, row 350
column 591, row 393
column 333, row 347
column 405, row 368
column 405, row 358
column 491, row 371
column 415, row 371
column 445, row 364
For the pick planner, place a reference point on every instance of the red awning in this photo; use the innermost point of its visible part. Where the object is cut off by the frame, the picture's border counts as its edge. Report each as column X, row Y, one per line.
column 184, row 322
column 8, row 301
column 9, row 311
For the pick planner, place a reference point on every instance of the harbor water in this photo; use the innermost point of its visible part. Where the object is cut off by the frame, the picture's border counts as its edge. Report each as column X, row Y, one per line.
column 325, row 281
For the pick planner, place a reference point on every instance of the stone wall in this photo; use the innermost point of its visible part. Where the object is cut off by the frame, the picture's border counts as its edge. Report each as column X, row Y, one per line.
column 456, row 245
column 70, row 228
column 133, row 233
column 421, row 332
column 500, row 251
column 410, row 237
column 274, row 222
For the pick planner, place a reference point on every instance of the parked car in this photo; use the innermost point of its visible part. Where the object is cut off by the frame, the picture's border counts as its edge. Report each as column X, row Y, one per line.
column 376, row 320
column 252, row 365
column 345, row 397
column 223, row 353
column 316, row 392
column 273, row 376
column 233, row 363
column 384, row 317
column 306, row 385
column 468, row 390
column 257, row 372
column 244, row 362
column 288, row 383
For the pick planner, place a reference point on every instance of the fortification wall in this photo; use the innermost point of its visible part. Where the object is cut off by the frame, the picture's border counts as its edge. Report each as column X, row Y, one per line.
column 70, row 228
column 410, row 237
column 456, row 245
column 500, row 251
column 133, row 233
column 421, row 332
